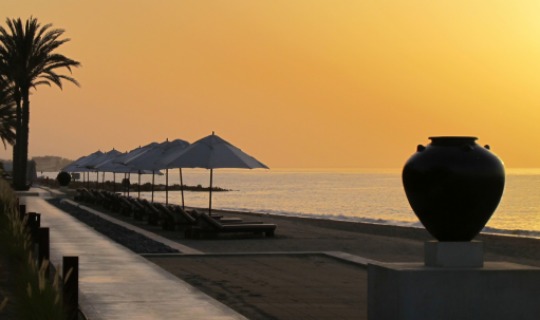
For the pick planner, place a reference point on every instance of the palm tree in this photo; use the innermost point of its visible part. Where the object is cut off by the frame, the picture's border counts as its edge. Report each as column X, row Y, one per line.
column 7, row 113
column 28, row 59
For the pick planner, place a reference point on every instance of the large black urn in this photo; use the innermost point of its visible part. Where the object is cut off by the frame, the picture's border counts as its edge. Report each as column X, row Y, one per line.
column 453, row 186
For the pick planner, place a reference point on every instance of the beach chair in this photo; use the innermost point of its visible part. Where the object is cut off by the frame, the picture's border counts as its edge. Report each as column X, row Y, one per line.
column 86, row 195
column 138, row 210
column 99, row 199
column 167, row 216
column 207, row 225
column 114, row 200
column 126, row 207
column 186, row 218
column 108, row 200
column 78, row 194
column 181, row 218
column 152, row 213
column 219, row 217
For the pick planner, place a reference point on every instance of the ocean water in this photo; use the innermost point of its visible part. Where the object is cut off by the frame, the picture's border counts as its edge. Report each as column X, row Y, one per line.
column 373, row 196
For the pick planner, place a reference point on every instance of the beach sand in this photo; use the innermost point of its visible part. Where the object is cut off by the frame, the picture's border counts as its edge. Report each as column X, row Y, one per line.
column 277, row 286
column 289, row 277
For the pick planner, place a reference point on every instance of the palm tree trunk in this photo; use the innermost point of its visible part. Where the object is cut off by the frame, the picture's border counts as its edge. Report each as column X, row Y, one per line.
column 18, row 142
column 20, row 181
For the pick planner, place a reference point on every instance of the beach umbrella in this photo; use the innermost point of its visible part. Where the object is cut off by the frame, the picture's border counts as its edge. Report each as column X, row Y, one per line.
column 137, row 152
column 153, row 158
column 170, row 152
column 143, row 160
column 115, row 166
column 79, row 165
column 102, row 158
column 133, row 154
column 212, row 152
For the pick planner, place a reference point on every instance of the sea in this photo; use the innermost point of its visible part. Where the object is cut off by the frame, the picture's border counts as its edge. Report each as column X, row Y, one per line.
column 360, row 195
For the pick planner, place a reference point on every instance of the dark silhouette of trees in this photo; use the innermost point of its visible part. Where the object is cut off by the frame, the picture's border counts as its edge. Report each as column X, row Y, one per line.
column 28, row 59
column 7, row 113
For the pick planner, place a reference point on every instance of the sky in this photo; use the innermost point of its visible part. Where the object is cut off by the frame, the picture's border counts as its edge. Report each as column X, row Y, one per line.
column 296, row 84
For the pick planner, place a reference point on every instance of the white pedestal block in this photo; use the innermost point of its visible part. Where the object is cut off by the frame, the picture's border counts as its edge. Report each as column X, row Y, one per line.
column 414, row 291
column 454, row 254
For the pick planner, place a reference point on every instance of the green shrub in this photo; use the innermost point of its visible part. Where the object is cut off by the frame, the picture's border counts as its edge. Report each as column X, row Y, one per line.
column 36, row 296
column 63, row 178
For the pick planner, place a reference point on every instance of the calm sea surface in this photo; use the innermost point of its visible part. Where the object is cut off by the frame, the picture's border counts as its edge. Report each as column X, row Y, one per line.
column 374, row 196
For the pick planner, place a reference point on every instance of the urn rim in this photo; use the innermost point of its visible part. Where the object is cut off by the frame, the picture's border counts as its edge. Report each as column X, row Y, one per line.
column 452, row 140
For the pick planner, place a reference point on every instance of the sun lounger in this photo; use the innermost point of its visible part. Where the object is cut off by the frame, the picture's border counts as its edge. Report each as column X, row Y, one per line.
column 126, row 207
column 152, row 213
column 78, row 195
column 209, row 226
column 108, row 200
column 85, row 195
column 167, row 216
column 100, row 199
column 180, row 218
column 138, row 209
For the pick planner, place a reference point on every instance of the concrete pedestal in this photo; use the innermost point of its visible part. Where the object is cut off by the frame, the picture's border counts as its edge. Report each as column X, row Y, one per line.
column 416, row 292
column 454, row 254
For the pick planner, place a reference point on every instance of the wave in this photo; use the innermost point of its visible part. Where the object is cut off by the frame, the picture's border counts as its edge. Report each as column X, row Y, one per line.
column 338, row 217
column 514, row 233
column 333, row 217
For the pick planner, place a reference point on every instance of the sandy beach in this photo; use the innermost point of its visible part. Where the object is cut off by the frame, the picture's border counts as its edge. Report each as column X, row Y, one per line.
column 294, row 276
column 376, row 242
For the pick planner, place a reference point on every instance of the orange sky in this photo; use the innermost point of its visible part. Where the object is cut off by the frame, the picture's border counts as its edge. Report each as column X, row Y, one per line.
column 303, row 83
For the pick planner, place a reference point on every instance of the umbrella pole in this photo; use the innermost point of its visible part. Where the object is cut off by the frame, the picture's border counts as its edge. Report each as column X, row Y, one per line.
column 210, row 198
column 166, row 186
column 129, row 184
column 97, row 179
column 114, row 182
column 139, row 186
column 181, row 187
column 153, row 185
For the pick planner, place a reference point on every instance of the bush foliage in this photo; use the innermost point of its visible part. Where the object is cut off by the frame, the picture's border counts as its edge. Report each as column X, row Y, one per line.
column 63, row 178
column 36, row 296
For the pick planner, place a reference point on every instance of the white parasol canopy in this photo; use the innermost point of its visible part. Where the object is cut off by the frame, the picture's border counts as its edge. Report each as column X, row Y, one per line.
column 79, row 165
column 133, row 154
column 213, row 152
column 93, row 163
column 153, row 159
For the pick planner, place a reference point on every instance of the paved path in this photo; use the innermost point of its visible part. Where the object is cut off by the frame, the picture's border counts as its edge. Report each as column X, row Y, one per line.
column 116, row 283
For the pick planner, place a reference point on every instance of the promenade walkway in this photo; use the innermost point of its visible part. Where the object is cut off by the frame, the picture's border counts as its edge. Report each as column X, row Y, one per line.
column 116, row 283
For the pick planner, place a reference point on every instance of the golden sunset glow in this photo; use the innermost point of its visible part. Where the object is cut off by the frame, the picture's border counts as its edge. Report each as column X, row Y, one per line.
column 304, row 83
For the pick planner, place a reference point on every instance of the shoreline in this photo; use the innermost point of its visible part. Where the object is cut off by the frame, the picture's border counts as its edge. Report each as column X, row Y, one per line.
column 134, row 187
column 412, row 232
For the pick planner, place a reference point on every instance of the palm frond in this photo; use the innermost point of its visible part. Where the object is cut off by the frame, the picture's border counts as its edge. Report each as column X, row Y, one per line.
column 28, row 50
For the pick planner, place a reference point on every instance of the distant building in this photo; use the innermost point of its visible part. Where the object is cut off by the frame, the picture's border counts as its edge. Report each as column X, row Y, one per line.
column 50, row 163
